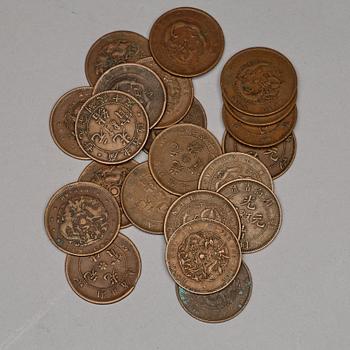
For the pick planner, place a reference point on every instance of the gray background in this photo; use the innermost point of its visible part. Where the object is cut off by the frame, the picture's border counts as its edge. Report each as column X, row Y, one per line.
column 301, row 282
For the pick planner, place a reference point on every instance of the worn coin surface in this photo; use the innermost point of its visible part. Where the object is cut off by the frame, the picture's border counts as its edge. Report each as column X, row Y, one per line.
column 259, row 210
column 277, row 159
column 82, row 218
column 220, row 306
column 179, row 154
column 111, row 177
column 113, row 49
column 112, row 127
column 203, row 256
column 63, row 117
column 144, row 202
column 186, row 41
column 108, row 276
column 140, row 82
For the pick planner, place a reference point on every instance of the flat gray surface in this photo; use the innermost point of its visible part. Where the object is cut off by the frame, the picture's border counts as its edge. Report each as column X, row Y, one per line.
column 301, row 282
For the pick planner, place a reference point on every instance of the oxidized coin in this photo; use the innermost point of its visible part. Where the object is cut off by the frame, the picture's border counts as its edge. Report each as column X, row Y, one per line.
column 144, row 202
column 220, row 306
column 179, row 154
column 201, row 204
column 233, row 166
column 111, row 177
column 112, row 127
column 186, row 41
column 108, row 276
column 62, row 120
column 259, row 210
column 258, row 81
column 140, row 82
column 179, row 94
column 82, row 218
column 113, row 49
column 203, row 256
column 277, row 158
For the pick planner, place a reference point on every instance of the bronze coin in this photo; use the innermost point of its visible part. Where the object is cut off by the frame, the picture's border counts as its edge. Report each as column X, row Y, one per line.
column 62, row 120
column 203, row 256
column 233, row 166
column 108, row 276
column 201, row 204
column 186, row 41
column 144, row 202
column 111, row 177
column 140, row 82
column 259, row 210
column 113, row 49
column 258, row 81
column 277, row 159
column 82, row 218
column 179, row 94
column 179, row 154
column 220, row 306
column 112, row 127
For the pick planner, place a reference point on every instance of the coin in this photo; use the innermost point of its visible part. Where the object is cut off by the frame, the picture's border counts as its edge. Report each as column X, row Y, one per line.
column 258, row 81
column 111, row 177
column 108, row 276
column 259, row 210
column 201, row 204
column 112, row 127
column 220, row 306
column 186, row 41
column 62, row 120
column 82, row 218
column 179, row 154
column 113, row 49
column 144, row 202
column 140, row 82
column 179, row 94
column 277, row 158
column 203, row 256
column 233, row 166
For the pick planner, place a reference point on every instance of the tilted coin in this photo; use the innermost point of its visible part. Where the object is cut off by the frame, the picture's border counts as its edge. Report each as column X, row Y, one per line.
column 203, row 256
column 112, row 127
column 82, row 218
column 140, row 82
column 144, row 202
column 179, row 154
column 63, row 117
column 108, row 276
column 259, row 210
column 220, row 306
column 111, row 177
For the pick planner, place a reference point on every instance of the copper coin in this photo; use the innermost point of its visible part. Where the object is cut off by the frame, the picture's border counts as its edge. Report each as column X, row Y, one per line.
column 140, row 82
column 82, row 218
column 113, row 49
column 201, row 204
column 111, row 177
column 108, row 276
column 233, row 166
column 112, row 127
column 179, row 154
column 259, row 210
column 277, row 159
column 179, row 94
column 186, row 41
column 220, row 306
column 203, row 256
column 258, row 81
column 144, row 202
column 62, row 120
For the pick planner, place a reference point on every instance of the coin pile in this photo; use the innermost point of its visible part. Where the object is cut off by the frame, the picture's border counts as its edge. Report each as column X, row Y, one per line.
column 211, row 204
